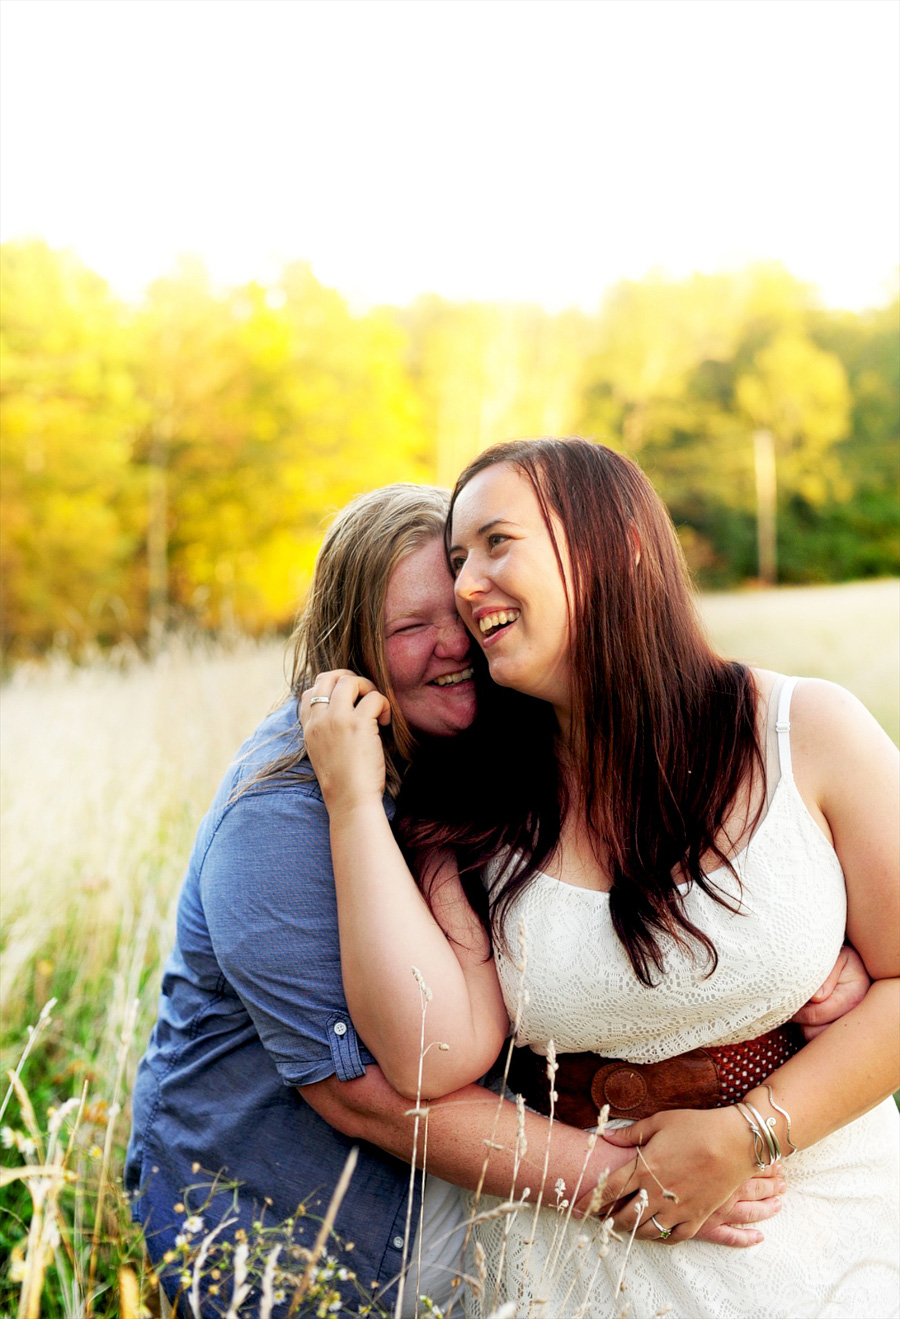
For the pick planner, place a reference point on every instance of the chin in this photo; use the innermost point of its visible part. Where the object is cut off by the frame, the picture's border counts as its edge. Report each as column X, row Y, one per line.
column 447, row 723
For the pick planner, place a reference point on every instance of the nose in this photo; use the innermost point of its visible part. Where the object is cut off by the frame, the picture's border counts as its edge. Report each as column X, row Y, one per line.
column 453, row 640
column 469, row 582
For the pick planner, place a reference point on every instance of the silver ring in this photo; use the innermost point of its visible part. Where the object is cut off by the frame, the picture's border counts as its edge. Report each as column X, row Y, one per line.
column 664, row 1232
column 320, row 700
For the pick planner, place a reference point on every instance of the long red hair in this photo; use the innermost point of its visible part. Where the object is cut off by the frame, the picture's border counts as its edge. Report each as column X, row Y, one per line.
column 663, row 729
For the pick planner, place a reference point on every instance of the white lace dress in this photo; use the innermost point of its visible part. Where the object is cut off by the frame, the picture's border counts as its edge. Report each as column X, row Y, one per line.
column 834, row 1250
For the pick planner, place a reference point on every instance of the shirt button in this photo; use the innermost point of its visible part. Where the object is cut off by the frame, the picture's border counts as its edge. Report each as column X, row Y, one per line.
column 340, row 1028
column 398, row 1243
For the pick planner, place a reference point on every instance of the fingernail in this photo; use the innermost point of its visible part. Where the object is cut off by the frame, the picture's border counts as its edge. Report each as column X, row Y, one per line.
column 781, row 1187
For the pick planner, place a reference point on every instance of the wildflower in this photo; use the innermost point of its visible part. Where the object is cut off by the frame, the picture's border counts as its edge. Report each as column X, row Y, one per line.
column 95, row 1152
column 178, row 1208
column 17, row 1268
column 280, row 1295
column 195, row 1167
column 193, row 1224
column 182, row 1239
column 59, row 1115
column 24, row 1144
column 168, row 1257
column 213, row 1289
column 240, row 1234
column 185, row 1279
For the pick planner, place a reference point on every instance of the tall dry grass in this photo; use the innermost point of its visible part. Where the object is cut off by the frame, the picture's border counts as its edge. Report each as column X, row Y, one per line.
column 848, row 633
column 105, row 771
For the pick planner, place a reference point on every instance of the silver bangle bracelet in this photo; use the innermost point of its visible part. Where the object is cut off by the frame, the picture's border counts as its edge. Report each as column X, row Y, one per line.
column 767, row 1131
column 759, row 1141
column 787, row 1117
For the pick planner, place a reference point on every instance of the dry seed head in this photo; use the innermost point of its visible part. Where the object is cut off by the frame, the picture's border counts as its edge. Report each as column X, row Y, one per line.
column 521, row 1139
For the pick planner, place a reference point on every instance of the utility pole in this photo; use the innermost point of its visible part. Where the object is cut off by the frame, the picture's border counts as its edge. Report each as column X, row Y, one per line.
column 766, row 503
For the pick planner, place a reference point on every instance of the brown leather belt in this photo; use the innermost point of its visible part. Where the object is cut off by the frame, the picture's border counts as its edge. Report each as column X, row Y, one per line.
column 702, row 1078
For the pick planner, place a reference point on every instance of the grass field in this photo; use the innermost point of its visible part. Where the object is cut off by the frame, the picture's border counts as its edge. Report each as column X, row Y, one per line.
column 105, row 771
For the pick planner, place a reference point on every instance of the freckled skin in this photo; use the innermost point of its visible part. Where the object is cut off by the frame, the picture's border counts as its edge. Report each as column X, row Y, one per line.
column 424, row 639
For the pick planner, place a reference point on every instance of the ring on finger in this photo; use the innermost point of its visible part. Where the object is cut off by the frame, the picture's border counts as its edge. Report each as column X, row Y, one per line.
column 320, row 700
column 664, row 1232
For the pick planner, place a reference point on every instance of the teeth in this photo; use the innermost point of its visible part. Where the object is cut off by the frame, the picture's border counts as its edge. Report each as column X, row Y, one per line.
column 451, row 679
column 497, row 620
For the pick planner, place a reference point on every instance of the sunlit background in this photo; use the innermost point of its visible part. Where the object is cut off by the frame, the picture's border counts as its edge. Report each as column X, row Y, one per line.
column 515, row 150
column 257, row 257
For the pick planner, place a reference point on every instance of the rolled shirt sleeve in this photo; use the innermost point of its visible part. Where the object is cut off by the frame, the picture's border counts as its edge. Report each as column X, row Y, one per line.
column 267, row 891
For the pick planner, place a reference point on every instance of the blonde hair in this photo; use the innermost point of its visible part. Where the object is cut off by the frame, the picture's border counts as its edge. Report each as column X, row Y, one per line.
column 341, row 625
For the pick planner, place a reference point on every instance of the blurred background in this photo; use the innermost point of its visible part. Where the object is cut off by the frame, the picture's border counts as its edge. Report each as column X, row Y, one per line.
column 260, row 255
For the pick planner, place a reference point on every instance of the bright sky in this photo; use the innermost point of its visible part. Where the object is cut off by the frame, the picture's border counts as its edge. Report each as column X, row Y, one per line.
column 527, row 149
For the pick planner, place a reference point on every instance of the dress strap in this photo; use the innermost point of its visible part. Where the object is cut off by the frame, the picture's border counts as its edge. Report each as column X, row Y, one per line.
column 783, row 726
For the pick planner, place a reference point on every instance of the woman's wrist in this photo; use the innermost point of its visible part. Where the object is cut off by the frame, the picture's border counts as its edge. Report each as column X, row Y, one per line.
column 737, row 1144
column 775, row 1119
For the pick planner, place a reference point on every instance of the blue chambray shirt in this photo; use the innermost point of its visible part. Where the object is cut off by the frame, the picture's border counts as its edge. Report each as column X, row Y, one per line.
column 252, row 1005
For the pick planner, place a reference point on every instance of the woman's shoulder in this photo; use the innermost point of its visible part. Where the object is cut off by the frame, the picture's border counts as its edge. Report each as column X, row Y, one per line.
column 834, row 739
column 815, row 703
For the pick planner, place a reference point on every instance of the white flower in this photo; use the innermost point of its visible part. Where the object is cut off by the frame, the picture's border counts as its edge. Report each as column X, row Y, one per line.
column 193, row 1224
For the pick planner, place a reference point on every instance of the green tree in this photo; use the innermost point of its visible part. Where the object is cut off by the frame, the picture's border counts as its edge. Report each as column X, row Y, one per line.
column 266, row 408
column 69, row 414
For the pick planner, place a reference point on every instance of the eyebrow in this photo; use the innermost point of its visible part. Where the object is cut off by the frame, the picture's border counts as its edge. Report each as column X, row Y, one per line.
column 481, row 531
column 408, row 616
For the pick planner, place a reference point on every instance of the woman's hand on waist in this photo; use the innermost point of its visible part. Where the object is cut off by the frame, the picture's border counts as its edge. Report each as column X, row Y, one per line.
column 690, row 1164
column 845, row 987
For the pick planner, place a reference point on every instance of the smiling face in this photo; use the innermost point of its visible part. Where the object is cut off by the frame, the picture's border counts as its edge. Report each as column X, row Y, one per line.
column 509, row 589
column 426, row 646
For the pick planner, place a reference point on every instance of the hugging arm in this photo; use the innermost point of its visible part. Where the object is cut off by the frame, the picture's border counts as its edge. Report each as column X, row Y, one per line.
column 472, row 1140
column 387, row 927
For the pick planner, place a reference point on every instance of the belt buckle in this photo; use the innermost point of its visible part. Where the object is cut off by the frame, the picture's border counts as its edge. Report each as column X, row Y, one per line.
column 621, row 1085
column 637, row 1090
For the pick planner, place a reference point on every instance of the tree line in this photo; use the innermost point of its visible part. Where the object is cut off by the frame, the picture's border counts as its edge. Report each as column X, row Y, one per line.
column 174, row 463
